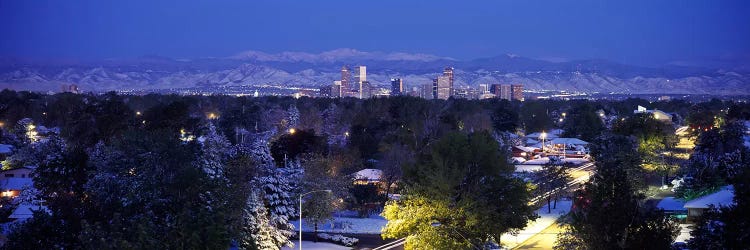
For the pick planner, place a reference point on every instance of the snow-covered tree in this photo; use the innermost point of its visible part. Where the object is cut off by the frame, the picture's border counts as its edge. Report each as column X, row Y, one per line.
column 25, row 131
column 293, row 116
column 215, row 150
column 278, row 193
column 275, row 186
column 256, row 232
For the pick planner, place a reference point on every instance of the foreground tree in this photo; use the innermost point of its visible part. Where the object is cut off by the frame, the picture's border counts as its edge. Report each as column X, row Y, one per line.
column 726, row 227
column 551, row 181
column 458, row 195
column 607, row 214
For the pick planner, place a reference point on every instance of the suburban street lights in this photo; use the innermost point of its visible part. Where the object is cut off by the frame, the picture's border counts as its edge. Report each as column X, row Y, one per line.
column 543, row 136
column 300, row 211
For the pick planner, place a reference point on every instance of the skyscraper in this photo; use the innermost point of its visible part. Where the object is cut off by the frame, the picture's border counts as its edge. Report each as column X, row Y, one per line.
column 505, row 92
column 345, row 81
column 517, row 92
column 495, row 90
column 360, row 74
column 441, row 87
column 427, row 91
column 483, row 89
column 397, row 87
column 448, row 72
column 336, row 89
column 360, row 80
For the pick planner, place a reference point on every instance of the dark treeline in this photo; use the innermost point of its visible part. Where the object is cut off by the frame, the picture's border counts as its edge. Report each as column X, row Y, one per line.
column 196, row 172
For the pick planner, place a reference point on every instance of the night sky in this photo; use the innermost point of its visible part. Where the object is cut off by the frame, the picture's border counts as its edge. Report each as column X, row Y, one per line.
column 636, row 32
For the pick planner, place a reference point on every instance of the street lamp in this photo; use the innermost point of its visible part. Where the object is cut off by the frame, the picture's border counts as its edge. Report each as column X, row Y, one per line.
column 300, row 212
column 543, row 136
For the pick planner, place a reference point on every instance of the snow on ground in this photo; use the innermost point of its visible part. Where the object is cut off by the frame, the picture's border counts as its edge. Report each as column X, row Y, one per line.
column 684, row 233
column 309, row 245
column 545, row 160
column 536, row 164
column 349, row 225
column 545, row 220
column 528, row 168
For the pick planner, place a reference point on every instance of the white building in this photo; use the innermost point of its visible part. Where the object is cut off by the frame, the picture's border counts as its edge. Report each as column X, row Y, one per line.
column 658, row 114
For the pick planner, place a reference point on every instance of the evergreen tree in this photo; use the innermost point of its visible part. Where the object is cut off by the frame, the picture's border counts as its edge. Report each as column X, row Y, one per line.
column 607, row 214
column 257, row 232
column 215, row 151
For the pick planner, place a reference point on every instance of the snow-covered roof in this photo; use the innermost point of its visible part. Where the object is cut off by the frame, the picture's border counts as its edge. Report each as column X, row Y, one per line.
column 6, row 149
column 530, row 141
column 518, row 159
column 528, row 168
column 724, row 197
column 671, row 204
column 368, row 174
column 525, row 149
column 569, row 141
column 26, row 211
column 15, row 183
column 538, row 135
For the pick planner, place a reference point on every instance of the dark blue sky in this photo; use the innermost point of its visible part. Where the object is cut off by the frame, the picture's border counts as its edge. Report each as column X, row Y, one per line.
column 639, row 32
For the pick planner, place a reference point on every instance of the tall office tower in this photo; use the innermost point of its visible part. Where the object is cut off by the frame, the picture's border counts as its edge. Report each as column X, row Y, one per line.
column 365, row 90
column 483, row 89
column 448, row 72
column 336, row 89
column 505, row 92
column 495, row 89
column 426, row 91
column 345, row 80
column 360, row 74
column 397, row 86
column 517, row 90
column 441, row 88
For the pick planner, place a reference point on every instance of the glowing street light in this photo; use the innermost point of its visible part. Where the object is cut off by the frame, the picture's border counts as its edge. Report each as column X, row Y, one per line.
column 212, row 116
column 292, row 131
column 138, row 113
column 543, row 136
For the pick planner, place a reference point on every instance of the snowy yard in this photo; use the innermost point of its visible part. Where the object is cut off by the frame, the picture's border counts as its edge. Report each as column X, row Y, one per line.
column 545, row 220
column 349, row 225
column 545, row 160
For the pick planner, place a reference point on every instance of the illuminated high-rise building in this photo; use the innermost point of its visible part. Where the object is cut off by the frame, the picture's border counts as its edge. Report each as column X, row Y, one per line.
column 483, row 89
column 397, row 87
column 517, row 92
column 448, row 72
column 360, row 81
column 441, row 88
column 336, row 89
column 360, row 74
column 505, row 92
column 345, row 80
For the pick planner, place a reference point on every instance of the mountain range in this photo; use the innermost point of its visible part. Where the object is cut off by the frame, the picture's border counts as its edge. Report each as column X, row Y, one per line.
column 252, row 68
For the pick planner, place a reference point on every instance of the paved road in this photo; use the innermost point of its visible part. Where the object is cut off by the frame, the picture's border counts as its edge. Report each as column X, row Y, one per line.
column 543, row 240
column 366, row 241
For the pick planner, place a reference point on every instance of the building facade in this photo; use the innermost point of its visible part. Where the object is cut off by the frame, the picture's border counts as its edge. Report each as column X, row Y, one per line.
column 397, row 86
column 517, row 92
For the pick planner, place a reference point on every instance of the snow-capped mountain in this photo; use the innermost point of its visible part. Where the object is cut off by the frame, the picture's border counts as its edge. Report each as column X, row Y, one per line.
column 307, row 69
column 337, row 55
